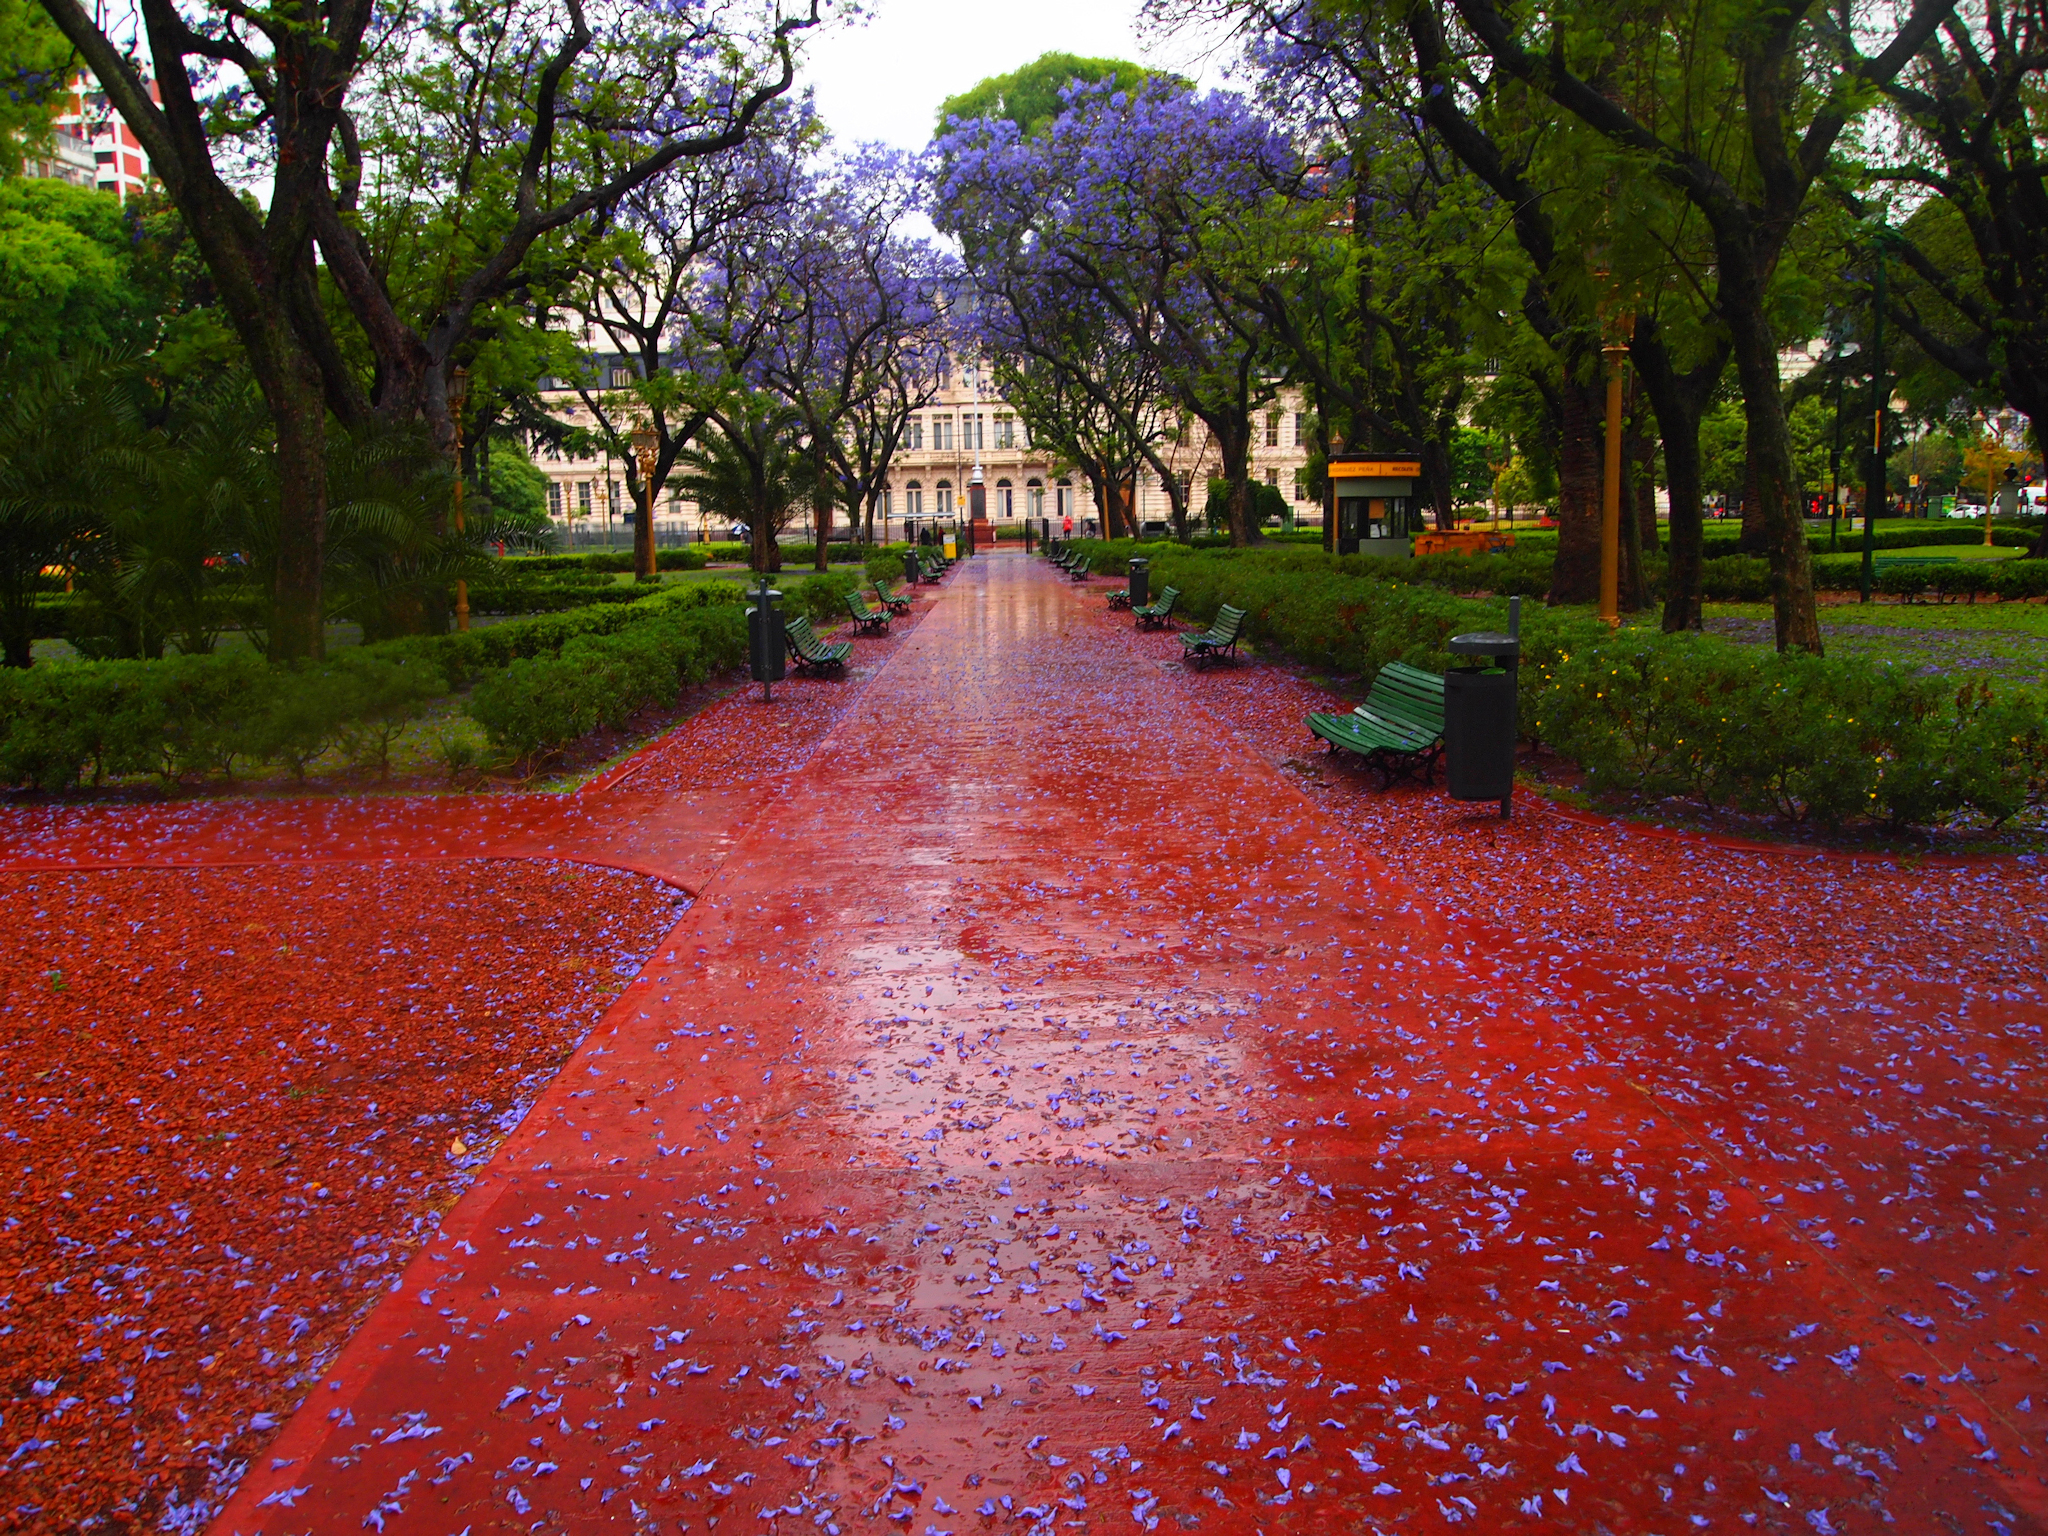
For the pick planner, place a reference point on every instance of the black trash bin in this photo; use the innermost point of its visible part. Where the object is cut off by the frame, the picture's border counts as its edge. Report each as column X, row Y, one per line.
column 1479, row 712
column 766, row 657
column 1141, row 581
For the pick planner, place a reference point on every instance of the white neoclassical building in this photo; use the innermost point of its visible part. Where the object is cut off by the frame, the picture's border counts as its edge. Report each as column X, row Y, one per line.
column 967, row 428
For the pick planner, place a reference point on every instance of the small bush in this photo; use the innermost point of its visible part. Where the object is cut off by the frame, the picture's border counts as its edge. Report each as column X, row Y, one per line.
column 540, row 704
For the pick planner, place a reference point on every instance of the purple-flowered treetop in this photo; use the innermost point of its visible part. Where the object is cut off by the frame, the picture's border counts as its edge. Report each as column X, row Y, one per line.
column 1117, row 198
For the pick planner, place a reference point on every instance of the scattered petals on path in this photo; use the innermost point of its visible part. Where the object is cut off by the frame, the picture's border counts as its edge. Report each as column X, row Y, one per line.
column 237, row 1102
column 1051, row 1117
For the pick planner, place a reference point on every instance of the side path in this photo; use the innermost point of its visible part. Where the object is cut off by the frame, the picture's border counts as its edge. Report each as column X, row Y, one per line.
column 630, row 818
column 1069, row 1126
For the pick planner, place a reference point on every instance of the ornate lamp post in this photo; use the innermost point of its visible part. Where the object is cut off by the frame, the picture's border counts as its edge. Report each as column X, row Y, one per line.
column 646, row 445
column 458, row 394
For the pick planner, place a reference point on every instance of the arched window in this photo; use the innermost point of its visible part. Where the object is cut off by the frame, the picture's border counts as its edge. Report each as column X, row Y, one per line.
column 1006, row 505
column 913, row 499
column 1034, row 497
column 945, row 498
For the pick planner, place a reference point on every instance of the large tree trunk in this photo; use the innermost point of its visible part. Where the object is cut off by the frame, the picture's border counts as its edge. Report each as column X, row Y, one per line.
column 1677, row 403
column 1632, row 586
column 643, row 532
column 1575, row 576
column 1770, row 457
column 1754, row 538
column 1436, row 481
column 1639, row 452
column 299, row 408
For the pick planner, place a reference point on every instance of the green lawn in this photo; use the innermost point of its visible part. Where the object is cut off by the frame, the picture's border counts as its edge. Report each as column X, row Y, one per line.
column 2001, row 642
column 1955, row 551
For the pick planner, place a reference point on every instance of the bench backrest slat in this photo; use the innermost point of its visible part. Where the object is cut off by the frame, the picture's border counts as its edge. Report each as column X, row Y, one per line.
column 1404, row 692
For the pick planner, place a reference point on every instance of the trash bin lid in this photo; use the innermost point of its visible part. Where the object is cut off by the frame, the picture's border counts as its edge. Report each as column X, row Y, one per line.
column 1485, row 642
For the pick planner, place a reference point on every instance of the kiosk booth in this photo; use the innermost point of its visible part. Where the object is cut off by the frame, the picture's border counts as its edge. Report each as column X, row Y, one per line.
column 1375, row 497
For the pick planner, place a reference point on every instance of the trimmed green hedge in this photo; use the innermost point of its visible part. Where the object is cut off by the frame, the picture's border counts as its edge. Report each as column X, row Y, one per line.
column 1829, row 740
column 541, row 703
column 1823, row 739
column 1747, row 578
column 61, row 723
column 66, row 722
column 691, row 557
column 552, row 596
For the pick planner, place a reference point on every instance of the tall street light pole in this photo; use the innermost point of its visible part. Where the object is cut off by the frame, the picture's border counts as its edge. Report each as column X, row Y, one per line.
column 458, row 393
column 1835, row 457
column 1880, row 392
column 646, row 445
column 1610, row 493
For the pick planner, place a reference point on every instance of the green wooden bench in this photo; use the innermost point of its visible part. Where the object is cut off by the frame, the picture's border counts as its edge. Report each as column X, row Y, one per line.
column 895, row 602
column 812, row 654
column 1154, row 615
column 1219, row 639
column 1885, row 562
column 866, row 617
column 1081, row 569
column 1399, row 728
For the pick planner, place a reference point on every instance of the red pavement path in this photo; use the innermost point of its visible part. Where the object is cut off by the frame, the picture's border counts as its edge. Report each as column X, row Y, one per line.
column 1052, row 1120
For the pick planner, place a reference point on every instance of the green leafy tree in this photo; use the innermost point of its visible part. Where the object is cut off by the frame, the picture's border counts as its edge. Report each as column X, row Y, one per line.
column 516, row 489
column 35, row 67
column 1030, row 96
column 67, row 280
column 65, row 428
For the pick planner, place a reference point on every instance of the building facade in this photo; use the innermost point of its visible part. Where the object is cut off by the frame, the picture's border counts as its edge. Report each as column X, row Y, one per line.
column 966, row 428
column 88, row 121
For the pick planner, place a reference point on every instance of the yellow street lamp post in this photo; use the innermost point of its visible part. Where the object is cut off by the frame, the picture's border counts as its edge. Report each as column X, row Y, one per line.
column 646, row 445
column 458, row 392
column 1994, row 449
column 1615, row 354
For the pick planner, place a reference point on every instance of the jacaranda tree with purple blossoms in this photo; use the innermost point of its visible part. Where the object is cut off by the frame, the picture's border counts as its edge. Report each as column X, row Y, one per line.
column 659, row 279
column 868, row 338
column 1121, row 197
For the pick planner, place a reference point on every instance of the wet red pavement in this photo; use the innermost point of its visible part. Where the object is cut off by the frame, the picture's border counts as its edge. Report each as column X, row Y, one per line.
column 1051, row 1116
column 1048, row 1118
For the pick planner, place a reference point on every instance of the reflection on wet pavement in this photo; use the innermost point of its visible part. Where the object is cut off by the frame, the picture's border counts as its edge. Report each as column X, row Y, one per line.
column 1047, row 1119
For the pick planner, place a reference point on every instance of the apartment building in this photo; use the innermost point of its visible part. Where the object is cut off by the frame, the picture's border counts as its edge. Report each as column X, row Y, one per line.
column 87, row 124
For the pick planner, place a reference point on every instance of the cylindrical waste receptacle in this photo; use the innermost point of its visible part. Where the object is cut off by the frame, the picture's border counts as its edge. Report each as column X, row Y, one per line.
column 765, row 639
column 910, row 565
column 1141, row 581
column 1479, row 713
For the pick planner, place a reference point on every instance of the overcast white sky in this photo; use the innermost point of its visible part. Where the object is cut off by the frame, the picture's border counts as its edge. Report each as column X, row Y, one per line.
column 884, row 80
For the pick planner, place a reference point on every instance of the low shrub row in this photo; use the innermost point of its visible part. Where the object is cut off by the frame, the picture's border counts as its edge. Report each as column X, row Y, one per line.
column 690, row 557
column 89, row 721
column 553, row 596
column 1807, row 738
column 1747, row 578
column 542, row 703
column 1905, row 534
column 1828, row 740
column 65, row 723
